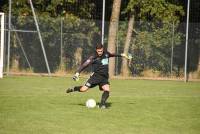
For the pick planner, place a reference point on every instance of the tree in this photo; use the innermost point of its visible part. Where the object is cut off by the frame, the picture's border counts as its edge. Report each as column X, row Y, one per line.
column 125, row 69
column 114, row 21
column 198, row 68
column 154, row 30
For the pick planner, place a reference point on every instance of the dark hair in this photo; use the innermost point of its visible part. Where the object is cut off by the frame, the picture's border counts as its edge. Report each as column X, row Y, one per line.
column 99, row 46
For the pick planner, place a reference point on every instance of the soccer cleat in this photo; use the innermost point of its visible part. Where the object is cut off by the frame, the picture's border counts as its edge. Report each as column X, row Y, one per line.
column 101, row 106
column 69, row 90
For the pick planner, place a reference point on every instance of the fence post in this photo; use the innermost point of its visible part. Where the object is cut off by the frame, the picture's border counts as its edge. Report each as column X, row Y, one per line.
column 172, row 49
column 61, row 43
column 9, row 28
column 186, row 42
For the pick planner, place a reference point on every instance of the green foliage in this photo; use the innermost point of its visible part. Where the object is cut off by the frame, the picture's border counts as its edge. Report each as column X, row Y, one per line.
column 77, row 32
column 156, row 10
column 152, row 43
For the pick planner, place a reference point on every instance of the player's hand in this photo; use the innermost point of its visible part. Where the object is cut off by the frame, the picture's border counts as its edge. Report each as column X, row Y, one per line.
column 127, row 56
column 76, row 77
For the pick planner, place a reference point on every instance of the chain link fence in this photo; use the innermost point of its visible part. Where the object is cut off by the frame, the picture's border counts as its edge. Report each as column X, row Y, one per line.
column 158, row 49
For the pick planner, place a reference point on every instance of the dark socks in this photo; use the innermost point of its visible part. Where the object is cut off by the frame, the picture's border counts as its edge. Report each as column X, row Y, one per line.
column 77, row 88
column 104, row 97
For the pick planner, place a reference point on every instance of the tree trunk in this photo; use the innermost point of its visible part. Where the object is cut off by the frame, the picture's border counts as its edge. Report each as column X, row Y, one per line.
column 124, row 68
column 15, row 56
column 113, row 33
column 78, row 56
column 198, row 68
column 62, row 59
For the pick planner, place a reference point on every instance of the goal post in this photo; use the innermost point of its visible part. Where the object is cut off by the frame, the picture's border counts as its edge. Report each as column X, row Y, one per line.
column 2, row 44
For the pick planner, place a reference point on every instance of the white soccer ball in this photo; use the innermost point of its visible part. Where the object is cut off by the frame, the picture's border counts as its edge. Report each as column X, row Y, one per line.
column 90, row 103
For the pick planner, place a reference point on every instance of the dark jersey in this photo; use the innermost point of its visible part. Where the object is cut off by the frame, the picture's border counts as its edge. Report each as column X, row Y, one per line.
column 99, row 63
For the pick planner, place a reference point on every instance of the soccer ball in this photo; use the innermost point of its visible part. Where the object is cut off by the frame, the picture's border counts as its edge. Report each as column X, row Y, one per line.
column 90, row 103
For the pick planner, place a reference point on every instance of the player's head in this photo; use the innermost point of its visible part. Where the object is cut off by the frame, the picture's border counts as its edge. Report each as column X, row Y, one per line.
column 99, row 49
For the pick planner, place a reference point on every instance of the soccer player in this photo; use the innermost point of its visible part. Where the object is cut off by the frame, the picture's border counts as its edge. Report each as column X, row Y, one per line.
column 99, row 61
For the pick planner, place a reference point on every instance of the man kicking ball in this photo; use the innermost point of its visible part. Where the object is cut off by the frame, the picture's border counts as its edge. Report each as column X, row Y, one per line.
column 99, row 62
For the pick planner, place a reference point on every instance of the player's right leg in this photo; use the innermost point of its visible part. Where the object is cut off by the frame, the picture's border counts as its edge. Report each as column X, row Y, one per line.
column 77, row 89
column 90, row 83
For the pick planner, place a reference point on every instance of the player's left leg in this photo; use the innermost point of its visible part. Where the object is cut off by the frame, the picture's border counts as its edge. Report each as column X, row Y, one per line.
column 105, row 95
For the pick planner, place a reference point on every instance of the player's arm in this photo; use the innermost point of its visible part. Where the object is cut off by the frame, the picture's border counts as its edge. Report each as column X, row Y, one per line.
column 85, row 64
column 127, row 56
column 82, row 67
column 114, row 55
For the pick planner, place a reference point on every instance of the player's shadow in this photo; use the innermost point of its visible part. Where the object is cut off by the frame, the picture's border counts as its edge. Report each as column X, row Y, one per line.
column 108, row 105
column 80, row 104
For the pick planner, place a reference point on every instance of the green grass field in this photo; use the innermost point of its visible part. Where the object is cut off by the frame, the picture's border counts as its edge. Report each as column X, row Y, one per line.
column 39, row 105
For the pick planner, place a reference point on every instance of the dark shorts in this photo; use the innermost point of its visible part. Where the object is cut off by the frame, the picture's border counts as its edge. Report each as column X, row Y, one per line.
column 96, row 79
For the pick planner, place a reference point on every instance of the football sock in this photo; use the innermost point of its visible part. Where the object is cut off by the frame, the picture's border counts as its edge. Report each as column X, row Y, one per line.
column 104, row 97
column 77, row 88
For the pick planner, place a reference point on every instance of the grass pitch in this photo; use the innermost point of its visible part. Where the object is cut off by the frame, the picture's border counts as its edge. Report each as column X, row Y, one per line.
column 39, row 105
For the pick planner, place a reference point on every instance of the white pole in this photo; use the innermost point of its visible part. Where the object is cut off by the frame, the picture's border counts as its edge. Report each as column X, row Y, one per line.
column 103, row 23
column 172, row 52
column 40, row 37
column 9, row 28
column 186, row 41
column 2, row 45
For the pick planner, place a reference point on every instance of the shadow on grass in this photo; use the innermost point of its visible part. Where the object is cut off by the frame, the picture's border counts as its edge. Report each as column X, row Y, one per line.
column 108, row 105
